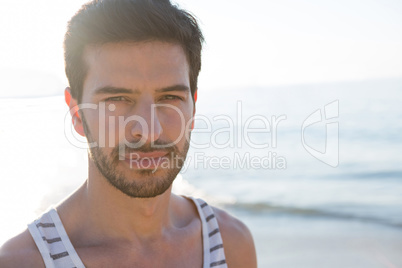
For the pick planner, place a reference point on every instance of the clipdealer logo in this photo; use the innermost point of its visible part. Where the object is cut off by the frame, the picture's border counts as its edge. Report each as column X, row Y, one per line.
column 330, row 154
column 237, row 130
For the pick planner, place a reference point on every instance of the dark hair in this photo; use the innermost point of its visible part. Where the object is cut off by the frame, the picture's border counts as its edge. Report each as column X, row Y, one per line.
column 113, row 21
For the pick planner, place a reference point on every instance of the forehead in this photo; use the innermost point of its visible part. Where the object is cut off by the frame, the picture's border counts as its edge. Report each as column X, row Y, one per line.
column 139, row 66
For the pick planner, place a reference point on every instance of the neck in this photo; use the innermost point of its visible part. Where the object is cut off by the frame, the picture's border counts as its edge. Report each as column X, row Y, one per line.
column 112, row 214
column 139, row 216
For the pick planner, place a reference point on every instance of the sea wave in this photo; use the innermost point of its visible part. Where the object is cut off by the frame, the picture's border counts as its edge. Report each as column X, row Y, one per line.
column 267, row 209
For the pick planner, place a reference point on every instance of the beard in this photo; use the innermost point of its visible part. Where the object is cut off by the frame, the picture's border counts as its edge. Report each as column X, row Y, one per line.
column 139, row 183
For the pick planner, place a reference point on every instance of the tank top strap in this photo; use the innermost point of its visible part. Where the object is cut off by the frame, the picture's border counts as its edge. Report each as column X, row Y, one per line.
column 53, row 243
column 214, row 255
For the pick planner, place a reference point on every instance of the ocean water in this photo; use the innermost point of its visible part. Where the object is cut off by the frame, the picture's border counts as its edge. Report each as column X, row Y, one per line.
column 365, row 185
column 248, row 156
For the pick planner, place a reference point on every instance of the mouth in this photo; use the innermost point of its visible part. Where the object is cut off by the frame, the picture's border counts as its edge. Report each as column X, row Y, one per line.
column 145, row 160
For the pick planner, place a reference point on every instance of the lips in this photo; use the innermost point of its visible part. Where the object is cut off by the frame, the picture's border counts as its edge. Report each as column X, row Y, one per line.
column 145, row 160
column 141, row 155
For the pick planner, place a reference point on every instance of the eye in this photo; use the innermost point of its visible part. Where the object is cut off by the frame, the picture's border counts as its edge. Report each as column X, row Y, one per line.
column 172, row 97
column 117, row 98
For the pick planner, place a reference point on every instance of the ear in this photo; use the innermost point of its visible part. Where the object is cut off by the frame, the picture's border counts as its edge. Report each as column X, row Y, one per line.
column 73, row 106
column 195, row 101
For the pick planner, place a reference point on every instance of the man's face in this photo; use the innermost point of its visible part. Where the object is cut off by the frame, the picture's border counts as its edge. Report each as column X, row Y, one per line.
column 142, row 121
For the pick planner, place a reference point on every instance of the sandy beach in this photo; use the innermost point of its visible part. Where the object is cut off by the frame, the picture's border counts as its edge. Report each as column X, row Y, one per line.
column 309, row 242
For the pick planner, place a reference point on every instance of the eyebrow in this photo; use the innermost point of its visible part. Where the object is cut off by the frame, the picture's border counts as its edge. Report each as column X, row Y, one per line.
column 174, row 88
column 114, row 90
column 119, row 90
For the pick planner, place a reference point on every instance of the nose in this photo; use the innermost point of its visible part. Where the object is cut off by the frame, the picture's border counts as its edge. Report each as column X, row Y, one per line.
column 146, row 126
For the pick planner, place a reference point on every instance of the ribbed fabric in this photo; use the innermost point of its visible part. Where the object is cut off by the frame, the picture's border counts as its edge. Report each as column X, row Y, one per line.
column 214, row 255
column 58, row 252
column 53, row 243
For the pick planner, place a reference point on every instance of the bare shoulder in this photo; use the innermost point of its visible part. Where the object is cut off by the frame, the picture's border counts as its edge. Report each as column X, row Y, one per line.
column 237, row 240
column 20, row 251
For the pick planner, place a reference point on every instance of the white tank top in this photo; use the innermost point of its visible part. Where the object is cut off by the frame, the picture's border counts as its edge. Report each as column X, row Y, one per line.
column 57, row 251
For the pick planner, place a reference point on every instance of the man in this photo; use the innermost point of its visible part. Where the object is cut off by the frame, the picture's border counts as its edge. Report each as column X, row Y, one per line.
column 132, row 68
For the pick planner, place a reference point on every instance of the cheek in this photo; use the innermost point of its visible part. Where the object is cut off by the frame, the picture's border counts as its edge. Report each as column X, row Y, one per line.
column 91, row 118
column 117, row 129
column 104, row 128
column 175, row 121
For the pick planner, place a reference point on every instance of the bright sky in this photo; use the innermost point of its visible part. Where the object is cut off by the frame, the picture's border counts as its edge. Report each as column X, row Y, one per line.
column 261, row 43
